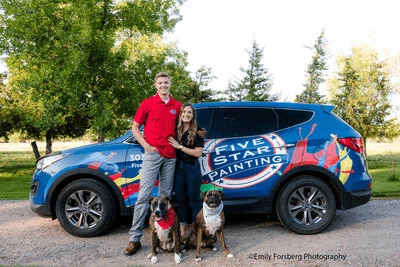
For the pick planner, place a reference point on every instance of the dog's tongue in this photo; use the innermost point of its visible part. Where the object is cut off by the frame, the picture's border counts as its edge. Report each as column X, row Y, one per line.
column 157, row 218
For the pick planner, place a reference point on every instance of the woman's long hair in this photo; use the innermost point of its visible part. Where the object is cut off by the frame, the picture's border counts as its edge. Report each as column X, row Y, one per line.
column 192, row 127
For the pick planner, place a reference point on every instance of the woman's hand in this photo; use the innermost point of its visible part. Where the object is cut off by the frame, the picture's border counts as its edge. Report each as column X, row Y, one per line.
column 173, row 142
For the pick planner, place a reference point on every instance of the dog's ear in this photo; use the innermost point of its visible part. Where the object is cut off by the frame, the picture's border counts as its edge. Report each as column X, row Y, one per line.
column 203, row 195
column 168, row 198
column 151, row 199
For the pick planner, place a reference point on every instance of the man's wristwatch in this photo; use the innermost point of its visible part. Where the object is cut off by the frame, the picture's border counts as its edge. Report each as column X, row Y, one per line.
column 181, row 147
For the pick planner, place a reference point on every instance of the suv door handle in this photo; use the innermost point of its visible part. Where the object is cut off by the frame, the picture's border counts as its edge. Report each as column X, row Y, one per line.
column 288, row 145
column 205, row 152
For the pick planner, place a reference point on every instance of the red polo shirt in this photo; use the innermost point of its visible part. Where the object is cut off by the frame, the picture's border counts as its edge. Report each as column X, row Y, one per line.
column 159, row 121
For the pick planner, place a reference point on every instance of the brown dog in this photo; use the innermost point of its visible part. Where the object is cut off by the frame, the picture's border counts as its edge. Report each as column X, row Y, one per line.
column 209, row 223
column 164, row 228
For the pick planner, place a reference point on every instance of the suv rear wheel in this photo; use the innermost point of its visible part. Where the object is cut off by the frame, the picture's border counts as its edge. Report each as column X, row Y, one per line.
column 306, row 205
column 85, row 208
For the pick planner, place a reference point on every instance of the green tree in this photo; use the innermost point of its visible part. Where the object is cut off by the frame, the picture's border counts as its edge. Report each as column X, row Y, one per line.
column 70, row 62
column 315, row 73
column 361, row 93
column 148, row 54
column 256, row 84
column 6, row 116
column 197, row 90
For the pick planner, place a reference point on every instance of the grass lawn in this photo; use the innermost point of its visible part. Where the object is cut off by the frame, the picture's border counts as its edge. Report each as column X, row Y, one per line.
column 385, row 171
column 382, row 185
column 17, row 167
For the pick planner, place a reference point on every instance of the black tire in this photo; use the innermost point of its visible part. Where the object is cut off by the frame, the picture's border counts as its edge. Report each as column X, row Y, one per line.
column 85, row 208
column 306, row 205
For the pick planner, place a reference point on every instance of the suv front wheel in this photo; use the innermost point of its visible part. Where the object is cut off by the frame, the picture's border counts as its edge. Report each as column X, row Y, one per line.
column 85, row 208
column 306, row 205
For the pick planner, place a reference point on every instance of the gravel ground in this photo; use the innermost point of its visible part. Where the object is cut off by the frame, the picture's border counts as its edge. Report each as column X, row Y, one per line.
column 368, row 235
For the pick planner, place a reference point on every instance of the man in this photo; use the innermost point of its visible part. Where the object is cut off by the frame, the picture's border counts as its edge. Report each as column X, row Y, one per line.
column 159, row 114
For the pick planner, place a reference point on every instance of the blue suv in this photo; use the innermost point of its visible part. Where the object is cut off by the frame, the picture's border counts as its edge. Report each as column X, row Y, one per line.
column 298, row 161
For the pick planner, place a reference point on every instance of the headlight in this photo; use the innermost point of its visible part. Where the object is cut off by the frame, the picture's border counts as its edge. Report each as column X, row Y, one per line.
column 48, row 160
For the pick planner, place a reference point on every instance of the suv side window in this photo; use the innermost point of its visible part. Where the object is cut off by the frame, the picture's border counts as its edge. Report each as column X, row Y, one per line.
column 204, row 119
column 238, row 122
column 235, row 122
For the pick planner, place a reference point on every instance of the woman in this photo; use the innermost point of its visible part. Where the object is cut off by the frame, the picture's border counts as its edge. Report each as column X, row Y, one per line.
column 189, row 145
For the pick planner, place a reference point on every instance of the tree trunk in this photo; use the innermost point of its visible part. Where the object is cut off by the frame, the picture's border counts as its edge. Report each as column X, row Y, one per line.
column 100, row 137
column 48, row 142
column 35, row 150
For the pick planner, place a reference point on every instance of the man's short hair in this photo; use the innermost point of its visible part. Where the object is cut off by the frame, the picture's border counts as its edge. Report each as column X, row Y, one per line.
column 162, row 74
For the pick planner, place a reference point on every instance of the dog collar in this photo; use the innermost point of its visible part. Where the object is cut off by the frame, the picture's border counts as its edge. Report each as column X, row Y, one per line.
column 210, row 214
column 168, row 219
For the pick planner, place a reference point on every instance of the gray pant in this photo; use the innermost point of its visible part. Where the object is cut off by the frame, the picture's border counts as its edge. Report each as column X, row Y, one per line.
column 153, row 166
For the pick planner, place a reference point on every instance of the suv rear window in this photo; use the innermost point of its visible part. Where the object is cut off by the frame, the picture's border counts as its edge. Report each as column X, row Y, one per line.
column 290, row 117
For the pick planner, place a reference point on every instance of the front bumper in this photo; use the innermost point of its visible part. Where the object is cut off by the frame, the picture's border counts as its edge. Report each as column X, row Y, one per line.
column 41, row 210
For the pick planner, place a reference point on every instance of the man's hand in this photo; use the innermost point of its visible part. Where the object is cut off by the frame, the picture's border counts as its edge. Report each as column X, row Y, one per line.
column 150, row 148
column 202, row 132
column 140, row 138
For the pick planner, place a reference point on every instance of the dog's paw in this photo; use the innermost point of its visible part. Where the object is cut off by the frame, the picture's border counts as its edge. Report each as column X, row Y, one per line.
column 178, row 258
column 149, row 256
column 154, row 259
column 230, row 255
column 197, row 259
column 214, row 249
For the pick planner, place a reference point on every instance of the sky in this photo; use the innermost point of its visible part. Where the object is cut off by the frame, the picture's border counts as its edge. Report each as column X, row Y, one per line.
column 217, row 33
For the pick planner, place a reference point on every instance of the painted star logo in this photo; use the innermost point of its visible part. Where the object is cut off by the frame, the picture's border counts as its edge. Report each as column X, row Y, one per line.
column 243, row 162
